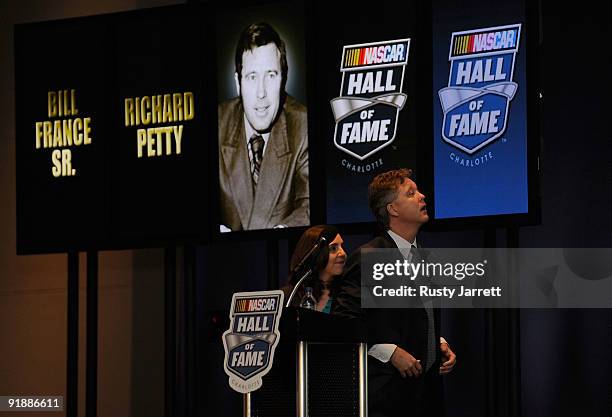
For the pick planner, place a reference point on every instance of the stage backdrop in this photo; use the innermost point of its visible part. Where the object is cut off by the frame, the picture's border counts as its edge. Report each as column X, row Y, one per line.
column 480, row 127
column 364, row 60
column 132, row 128
column 111, row 130
column 268, row 101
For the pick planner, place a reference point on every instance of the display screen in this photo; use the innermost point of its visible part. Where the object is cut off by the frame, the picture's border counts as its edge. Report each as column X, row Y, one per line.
column 480, row 133
column 111, row 125
column 62, row 130
column 161, row 188
column 366, row 98
column 263, row 135
column 177, row 123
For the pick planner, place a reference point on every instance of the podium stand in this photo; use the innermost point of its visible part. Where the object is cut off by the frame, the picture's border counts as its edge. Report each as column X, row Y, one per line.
column 319, row 370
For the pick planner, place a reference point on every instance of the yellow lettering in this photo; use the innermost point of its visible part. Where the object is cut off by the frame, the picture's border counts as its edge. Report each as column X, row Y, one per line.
column 64, row 100
column 48, row 134
column 178, row 135
column 167, row 108
column 160, row 144
column 150, row 143
column 157, row 108
column 74, row 110
column 56, row 170
column 141, row 141
column 52, row 104
column 67, row 132
column 189, row 106
column 38, row 134
column 57, row 134
column 137, row 110
column 145, row 115
column 77, row 129
column 177, row 106
column 60, row 104
column 66, row 163
column 87, row 131
column 129, row 111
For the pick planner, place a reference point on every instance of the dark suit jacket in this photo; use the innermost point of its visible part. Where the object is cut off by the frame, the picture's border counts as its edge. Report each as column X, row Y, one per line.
column 282, row 195
column 390, row 395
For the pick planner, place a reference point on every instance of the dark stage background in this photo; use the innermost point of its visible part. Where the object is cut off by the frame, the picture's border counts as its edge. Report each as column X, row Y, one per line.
column 563, row 354
column 562, row 357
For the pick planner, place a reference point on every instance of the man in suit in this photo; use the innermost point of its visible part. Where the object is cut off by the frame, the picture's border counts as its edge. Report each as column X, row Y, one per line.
column 263, row 140
column 407, row 354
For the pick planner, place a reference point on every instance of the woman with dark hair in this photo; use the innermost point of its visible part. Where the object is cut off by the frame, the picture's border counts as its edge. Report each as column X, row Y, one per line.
column 328, row 264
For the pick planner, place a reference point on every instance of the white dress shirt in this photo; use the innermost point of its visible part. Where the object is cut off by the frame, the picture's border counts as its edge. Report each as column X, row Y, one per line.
column 383, row 351
column 250, row 132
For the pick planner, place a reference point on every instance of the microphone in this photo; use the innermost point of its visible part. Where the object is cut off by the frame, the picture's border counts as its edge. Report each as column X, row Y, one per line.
column 306, row 265
column 312, row 254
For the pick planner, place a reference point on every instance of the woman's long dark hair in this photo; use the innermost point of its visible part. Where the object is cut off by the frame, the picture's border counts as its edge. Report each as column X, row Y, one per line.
column 307, row 241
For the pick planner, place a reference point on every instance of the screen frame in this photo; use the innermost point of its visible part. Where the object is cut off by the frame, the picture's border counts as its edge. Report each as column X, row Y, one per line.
column 112, row 238
column 315, row 162
column 534, row 137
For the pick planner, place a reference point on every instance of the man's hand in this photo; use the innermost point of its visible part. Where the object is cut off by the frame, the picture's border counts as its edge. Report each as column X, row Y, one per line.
column 449, row 359
column 406, row 364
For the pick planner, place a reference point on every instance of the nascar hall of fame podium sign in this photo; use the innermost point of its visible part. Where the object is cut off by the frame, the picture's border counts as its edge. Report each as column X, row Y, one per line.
column 252, row 338
column 366, row 113
column 480, row 86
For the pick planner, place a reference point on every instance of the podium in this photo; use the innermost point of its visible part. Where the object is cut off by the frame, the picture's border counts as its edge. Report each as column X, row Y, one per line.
column 319, row 370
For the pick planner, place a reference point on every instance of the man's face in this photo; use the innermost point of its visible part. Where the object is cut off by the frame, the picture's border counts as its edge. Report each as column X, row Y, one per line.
column 409, row 207
column 260, row 86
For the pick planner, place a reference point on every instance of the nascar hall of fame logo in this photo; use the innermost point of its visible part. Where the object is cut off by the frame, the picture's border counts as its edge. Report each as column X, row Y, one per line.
column 252, row 338
column 480, row 87
column 371, row 97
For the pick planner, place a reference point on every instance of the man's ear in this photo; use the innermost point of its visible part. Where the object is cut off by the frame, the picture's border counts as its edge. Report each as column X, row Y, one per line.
column 391, row 210
column 237, row 81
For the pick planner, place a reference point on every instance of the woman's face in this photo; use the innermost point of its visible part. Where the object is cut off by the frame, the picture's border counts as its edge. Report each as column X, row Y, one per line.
column 337, row 258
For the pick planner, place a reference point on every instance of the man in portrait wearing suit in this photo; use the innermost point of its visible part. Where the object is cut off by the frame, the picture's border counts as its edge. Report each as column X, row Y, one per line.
column 263, row 140
column 407, row 354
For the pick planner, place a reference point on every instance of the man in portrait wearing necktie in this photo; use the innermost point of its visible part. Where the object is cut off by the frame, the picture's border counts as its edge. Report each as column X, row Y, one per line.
column 263, row 140
column 407, row 354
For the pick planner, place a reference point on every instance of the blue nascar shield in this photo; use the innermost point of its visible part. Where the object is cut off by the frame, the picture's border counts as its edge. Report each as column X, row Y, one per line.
column 480, row 86
column 253, row 335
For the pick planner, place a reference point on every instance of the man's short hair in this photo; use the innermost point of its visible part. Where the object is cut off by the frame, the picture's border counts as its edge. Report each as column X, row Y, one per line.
column 256, row 35
column 383, row 190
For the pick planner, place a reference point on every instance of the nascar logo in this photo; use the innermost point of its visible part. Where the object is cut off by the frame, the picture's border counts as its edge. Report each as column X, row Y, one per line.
column 480, row 86
column 367, row 109
column 252, row 338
